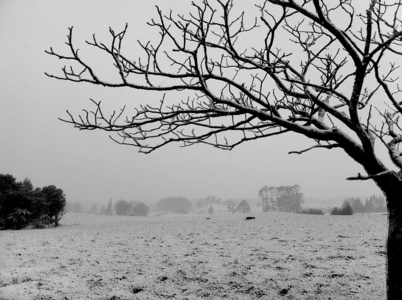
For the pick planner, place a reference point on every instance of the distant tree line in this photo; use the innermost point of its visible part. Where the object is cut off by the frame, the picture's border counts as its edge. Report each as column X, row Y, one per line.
column 121, row 208
column 372, row 204
column 174, row 205
column 345, row 210
column 208, row 201
column 312, row 211
column 22, row 205
column 282, row 198
column 241, row 207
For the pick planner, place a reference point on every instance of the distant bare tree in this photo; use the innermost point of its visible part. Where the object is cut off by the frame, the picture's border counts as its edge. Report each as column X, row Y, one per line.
column 231, row 205
column 268, row 195
column 335, row 82
column 109, row 208
column 282, row 198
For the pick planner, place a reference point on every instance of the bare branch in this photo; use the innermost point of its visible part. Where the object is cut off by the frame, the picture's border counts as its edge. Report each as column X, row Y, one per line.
column 368, row 177
column 330, row 146
column 320, row 79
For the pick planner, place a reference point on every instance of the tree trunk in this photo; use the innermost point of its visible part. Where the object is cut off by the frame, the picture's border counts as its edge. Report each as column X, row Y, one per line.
column 391, row 185
column 394, row 244
column 56, row 221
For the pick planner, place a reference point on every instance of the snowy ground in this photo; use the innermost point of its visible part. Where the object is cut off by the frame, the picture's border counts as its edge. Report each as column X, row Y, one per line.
column 276, row 256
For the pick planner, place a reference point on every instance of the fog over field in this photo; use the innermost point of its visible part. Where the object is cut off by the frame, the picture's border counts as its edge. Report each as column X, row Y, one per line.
column 170, row 256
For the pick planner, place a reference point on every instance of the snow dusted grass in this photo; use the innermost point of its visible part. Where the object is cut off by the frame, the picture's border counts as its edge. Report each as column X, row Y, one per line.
column 276, row 256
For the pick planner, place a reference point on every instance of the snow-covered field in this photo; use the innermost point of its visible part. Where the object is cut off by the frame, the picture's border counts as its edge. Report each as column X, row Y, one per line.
column 275, row 256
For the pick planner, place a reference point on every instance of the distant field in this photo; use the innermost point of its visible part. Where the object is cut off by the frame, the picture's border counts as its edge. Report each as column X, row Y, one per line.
column 276, row 256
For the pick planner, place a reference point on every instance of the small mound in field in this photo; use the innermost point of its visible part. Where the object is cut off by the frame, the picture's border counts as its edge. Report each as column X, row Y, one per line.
column 284, row 292
column 137, row 290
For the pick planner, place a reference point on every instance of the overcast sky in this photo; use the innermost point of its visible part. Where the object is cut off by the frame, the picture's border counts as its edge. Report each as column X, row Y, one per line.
column 88, row 166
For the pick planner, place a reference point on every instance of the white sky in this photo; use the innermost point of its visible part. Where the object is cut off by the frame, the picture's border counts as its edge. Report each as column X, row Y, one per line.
column 88, row 166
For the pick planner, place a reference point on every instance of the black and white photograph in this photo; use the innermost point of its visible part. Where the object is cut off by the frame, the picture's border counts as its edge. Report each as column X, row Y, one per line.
column 202, row 149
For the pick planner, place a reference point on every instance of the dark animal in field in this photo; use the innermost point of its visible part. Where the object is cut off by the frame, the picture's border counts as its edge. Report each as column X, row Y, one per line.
column 249, row 218
column 207, row 218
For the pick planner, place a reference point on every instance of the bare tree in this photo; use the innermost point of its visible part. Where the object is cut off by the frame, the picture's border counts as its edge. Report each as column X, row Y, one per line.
column 319, row 68
column 231, row 205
